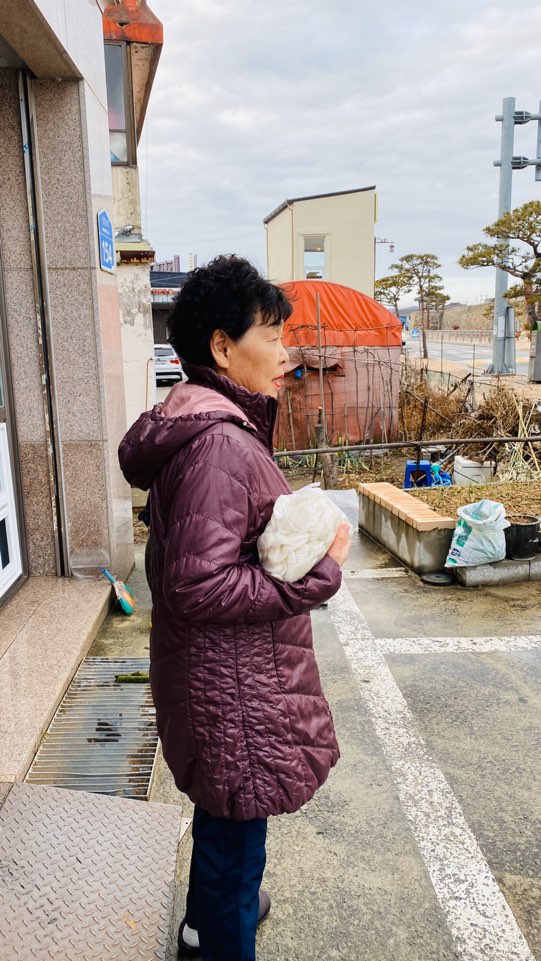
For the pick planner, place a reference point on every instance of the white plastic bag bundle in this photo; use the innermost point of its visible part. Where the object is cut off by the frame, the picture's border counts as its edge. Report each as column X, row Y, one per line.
column 301, row 530
column 478, row 537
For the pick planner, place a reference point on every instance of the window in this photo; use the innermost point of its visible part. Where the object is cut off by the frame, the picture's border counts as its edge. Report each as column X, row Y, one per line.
column 4, row 546
column 10, row 508
column 10, row 554
column 314, row 257
column 120, row 104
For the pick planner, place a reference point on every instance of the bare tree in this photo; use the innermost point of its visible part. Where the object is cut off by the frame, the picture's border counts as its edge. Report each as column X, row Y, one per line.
column 420, row 271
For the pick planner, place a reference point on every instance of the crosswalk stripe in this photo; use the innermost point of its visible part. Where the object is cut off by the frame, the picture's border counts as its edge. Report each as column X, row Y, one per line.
column 479, row 918
column 458, row 645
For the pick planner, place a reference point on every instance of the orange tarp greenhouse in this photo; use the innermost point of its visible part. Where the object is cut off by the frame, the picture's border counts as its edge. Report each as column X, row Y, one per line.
column 352, row 383
column 348, row 318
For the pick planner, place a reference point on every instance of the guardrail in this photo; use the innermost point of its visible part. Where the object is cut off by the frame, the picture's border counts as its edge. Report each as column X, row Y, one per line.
column 460, row 336
column 402, row 444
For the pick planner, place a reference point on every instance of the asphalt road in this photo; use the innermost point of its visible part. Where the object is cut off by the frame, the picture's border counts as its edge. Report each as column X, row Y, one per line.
column 424, row 844
column 470, row 356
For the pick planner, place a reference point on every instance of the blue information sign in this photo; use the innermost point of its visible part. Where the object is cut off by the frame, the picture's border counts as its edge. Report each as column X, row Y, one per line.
column 106, row 242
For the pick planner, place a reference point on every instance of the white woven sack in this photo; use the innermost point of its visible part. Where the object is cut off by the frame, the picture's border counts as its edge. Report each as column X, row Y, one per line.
column 478, row 537
column 301, row 530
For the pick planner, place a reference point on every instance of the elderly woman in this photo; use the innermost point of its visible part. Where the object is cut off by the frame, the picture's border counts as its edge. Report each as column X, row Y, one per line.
column 245, row 727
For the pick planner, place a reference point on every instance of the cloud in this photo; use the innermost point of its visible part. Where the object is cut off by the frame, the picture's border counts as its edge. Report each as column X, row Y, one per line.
column 253, row 103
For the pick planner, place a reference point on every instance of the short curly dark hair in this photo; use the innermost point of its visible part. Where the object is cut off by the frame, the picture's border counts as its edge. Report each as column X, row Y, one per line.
column 225, row 295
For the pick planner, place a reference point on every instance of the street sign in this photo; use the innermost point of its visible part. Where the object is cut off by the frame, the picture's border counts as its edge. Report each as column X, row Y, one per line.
column 106, row 242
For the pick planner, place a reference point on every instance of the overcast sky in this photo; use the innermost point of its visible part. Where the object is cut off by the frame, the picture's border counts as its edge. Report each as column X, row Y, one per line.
column 256, row 102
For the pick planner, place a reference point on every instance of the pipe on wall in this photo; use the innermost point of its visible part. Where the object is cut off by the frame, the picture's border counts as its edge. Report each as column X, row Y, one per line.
column 36, row 224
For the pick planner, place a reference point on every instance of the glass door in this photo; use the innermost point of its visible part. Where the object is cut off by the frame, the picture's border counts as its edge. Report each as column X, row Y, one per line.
column 10, row 546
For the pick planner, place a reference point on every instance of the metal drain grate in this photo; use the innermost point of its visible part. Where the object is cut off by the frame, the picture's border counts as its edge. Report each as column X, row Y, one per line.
column 103, row 737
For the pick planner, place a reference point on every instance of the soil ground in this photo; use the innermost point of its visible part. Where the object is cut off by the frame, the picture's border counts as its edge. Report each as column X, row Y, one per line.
column 518, row 497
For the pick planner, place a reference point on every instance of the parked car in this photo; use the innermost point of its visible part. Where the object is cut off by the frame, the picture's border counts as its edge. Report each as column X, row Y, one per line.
column 167, row 366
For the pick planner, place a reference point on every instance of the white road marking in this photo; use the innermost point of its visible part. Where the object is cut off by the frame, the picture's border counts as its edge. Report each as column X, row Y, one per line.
column 458, row 645
column 184, row 825
column 376, row 573
column 479, row 918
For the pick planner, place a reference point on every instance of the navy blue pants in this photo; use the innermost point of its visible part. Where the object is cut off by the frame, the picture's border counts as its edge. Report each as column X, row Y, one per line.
column 227, row 866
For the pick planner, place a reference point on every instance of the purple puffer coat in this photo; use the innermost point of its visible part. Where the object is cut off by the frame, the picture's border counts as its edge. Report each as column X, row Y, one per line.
column 243, row 721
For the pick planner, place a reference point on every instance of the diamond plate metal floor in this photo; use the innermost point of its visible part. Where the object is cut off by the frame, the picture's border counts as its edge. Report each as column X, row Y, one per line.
column 85, row 877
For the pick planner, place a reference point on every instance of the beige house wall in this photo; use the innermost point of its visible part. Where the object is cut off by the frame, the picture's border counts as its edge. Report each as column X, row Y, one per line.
column 280, row 260
column 137, row 339
column 135, row 305
column 126, row 198
column 345, row 220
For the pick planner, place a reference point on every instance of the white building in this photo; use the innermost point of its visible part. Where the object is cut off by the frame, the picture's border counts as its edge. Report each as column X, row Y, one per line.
column 326, row 236
column 133, row 38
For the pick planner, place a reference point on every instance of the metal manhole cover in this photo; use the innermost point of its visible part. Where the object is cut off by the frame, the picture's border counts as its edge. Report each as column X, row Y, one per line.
column 103, row 737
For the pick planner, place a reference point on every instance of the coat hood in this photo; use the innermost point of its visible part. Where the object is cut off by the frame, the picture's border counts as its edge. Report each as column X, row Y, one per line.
column 189, row 409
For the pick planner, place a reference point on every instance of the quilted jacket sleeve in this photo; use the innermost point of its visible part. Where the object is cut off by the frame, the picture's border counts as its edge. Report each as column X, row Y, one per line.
column 213, row 507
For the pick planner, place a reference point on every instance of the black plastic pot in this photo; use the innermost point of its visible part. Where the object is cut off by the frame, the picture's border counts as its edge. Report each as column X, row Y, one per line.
column 522, row 540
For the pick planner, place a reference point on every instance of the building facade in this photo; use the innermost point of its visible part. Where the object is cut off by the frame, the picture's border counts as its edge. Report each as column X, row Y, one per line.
column 62, row 410
column 324, row 237
column 133, row 38
column 165, row 285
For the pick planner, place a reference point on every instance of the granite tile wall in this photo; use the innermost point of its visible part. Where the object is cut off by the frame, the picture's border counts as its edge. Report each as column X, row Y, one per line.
column 85, row 324
column 109, row 314
column 14, row 232
column 76, row 368
column 23, row 351
column 88, row 358
column 114, row 413
column 96, row 118
column 63, row 179
column 38, row 513
column 83, row 464
column 22, row 337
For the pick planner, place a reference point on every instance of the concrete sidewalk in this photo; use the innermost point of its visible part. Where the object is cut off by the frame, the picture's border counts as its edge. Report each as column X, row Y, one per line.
column 46, row 629
column 424, row 843
column 451, row 371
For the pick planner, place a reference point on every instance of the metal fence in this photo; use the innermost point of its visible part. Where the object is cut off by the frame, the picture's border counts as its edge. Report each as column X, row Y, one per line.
column 460, row 336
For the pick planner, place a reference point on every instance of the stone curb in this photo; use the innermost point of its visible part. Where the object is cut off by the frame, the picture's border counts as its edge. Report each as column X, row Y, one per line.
column 421, row 538
column 501, row 572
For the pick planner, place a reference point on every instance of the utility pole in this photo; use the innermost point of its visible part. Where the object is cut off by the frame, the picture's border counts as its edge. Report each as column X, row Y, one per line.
column 501, row 318
column 503, row 342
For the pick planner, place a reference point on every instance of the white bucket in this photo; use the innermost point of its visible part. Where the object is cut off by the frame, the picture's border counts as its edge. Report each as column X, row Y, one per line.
column 466, row 472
